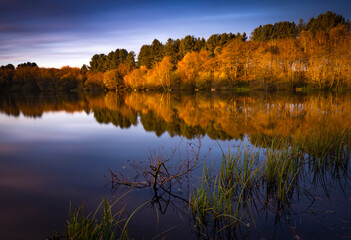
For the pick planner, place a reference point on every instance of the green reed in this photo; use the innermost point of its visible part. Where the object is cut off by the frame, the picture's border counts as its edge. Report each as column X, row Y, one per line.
column 250, row 178
column 283, row 164
column 103, row 226
column 328, row 155
column 265, row 176
column 231, row 197
column 327, row 147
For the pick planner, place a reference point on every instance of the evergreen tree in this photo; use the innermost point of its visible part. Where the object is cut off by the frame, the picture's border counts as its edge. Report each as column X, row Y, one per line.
column 130, row 60
column 187, row 44
column 157, row 52
column 325, row 22
column 171, row 49
column 145, row 57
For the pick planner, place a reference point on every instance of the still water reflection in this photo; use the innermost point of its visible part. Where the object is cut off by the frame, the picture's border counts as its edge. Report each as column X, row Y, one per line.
column 58, row 148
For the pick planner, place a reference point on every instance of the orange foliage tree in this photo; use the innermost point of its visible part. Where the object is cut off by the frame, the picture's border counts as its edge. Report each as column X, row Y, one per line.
column 94, row 81
column 160, row 75
column 196, row 69
column 136, row 78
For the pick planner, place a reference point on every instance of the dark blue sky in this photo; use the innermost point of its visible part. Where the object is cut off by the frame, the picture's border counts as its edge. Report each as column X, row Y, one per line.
column 54, row 33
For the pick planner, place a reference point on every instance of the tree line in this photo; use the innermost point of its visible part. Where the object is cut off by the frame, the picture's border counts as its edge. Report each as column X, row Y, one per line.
column 283, row 55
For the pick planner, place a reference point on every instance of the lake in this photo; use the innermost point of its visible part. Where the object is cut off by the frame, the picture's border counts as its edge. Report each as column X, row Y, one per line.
column 58, row 149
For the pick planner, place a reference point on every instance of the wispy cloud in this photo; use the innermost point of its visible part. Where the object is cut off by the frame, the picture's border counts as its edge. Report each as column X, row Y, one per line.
column 65, row 32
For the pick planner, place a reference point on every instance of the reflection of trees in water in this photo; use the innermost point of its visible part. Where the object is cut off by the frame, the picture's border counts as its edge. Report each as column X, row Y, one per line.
column 218, row 115
column 152, row 123
column 115, row 117
column 34, row 105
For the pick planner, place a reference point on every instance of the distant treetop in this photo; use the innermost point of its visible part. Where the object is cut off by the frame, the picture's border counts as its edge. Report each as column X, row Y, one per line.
column 27, row 64
column 324, row 22
column 8, row 67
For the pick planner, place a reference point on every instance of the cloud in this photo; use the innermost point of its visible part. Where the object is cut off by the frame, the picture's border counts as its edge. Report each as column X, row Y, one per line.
column 56, row 31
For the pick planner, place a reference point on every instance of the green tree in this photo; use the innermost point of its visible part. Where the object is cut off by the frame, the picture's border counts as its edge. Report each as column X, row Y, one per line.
column 301, row 26
column 325, row 22
column 145, row 57
column 98, row 63
column 27, row 64
column 84, row 69
column 279, row 30
column 171, row 49
column 6, row 76
column 200, row 44
column 8, row 67
column 130, row 60
column 157, row 52
column 187, row 44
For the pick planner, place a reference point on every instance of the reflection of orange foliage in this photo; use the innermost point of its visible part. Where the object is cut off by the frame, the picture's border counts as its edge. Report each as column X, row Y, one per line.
column 220, row 116
column 111, row 101
column 146, row 102
column 276, row 116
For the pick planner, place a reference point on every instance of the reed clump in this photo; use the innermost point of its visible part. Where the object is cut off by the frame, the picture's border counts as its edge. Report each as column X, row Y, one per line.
column 283, row 164
column 103, row 224
column 253, row 177
column 231, row 197
column 329, row 153
column 224, row 200
column 326, row 147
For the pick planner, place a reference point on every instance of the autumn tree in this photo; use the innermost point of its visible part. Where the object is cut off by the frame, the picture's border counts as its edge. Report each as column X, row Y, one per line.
column 25, row 77
column 110, row 79
column 196, row 69
column 230, row 60
column 47, row 79
column 6, row 76
column 94, row 81
column 189, row 68
column 136, row 78
column 160, row 75
column 70, row 80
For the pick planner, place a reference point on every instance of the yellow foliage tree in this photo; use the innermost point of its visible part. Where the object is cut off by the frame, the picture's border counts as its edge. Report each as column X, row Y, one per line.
column 136, row 78
column 160, row 75
column 110, row 79
column 94, row 82
column 196, row 68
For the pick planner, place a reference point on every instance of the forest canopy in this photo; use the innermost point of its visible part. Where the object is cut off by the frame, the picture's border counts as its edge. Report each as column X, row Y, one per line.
column 283, row 55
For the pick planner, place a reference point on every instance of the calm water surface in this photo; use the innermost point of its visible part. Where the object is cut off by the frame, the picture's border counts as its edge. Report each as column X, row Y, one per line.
column 57, row 149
